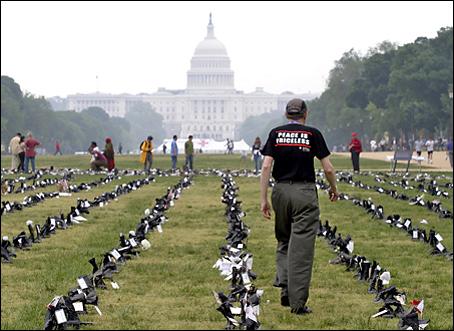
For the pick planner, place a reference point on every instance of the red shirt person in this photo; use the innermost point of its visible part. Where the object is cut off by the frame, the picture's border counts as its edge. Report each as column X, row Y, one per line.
column 109, row 154
column 355, row 149
column 30, row 153
column 57, row 148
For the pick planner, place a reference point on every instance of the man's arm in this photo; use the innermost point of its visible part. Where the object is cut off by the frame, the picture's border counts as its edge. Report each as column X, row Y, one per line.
column 330, row 175
column 264, row 182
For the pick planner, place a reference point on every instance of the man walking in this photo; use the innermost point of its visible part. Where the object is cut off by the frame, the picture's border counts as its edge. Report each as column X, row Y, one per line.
column 189, row 152
column 174, row 152
column 292, row 148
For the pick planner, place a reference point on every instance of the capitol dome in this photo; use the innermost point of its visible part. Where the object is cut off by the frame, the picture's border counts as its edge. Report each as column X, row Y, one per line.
column 210, row 46
column 210, row 65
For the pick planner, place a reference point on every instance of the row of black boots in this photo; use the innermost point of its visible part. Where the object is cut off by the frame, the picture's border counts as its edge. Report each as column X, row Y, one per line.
column 64, row 311
column 240, row 307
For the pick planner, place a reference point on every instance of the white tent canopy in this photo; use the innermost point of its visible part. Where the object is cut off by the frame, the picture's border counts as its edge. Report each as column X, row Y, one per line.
column 206, row 146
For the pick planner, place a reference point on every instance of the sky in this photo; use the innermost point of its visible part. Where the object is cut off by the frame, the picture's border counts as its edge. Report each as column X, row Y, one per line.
column 59, row 48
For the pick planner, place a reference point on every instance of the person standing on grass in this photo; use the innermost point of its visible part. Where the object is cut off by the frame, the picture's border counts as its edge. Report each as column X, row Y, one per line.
column 15, row 150
column 57, row 148
column 355, row 149
column 109, row 154
column 256, row 154
column 189, row 152
column 22, row 149
column 292, row 148
column 30, row 153
column 174, row 152
column 146, row 157
column 449, row 150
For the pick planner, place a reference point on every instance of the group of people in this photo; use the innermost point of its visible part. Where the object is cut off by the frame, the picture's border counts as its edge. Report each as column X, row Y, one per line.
column 23, row 152
column 146, row 153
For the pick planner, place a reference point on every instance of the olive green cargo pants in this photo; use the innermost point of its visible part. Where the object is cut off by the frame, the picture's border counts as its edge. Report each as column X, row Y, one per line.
column 297, row 221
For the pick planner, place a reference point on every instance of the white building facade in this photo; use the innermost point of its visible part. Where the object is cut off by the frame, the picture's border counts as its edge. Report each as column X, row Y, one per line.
column 209, row 107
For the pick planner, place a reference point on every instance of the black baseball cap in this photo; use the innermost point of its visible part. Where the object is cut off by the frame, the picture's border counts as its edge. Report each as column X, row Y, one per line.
column 296, row 107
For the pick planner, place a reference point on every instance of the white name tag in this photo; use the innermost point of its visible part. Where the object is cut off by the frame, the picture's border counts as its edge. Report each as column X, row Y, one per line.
column 235, row 310
column 115, row 254
column 440, row 247
column 415, row 234
column 439, row 237
column 61, row 317
column 78, row 306
column 82, row 283
column 350, row 246
column 249, row 262
column 132, row 242
column 8, row 207
column 246, row 279
column 407, row 223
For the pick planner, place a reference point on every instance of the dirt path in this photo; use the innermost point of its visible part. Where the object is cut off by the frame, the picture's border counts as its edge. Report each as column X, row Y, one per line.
column 440, row 163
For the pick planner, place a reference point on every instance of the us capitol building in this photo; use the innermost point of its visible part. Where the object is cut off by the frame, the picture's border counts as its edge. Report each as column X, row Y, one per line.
column 209, row 107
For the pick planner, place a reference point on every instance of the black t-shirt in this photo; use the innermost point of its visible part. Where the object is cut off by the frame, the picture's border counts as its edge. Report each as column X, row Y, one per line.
column 293, row 147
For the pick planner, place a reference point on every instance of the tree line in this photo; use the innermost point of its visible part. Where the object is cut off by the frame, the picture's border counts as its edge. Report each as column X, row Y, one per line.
column 398, row 91
column 23, row 112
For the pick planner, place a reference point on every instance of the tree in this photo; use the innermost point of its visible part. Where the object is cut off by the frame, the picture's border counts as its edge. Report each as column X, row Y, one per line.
column 144, row 121
column 265, row 122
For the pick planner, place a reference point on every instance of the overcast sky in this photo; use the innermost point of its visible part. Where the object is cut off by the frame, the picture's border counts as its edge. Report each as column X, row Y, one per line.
column 58, row 48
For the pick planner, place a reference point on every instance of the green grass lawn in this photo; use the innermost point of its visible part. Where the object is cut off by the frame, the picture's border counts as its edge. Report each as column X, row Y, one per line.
column 200, row 161
column 170, row 285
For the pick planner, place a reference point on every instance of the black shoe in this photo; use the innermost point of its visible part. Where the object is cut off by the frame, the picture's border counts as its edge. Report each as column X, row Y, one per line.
column 301, row 311
column 285, row 301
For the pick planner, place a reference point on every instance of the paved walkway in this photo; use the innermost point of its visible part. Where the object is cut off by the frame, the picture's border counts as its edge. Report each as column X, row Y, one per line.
column 440, row 163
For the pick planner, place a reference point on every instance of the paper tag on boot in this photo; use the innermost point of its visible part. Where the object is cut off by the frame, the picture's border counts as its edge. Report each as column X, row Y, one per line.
column 78, row 306
column 61, row 317
column 82, row 283
column 115, row 254
column 350, row 246
column 439, row 237
column 440, row 247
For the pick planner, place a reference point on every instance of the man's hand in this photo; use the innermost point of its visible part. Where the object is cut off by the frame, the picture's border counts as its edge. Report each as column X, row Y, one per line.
column 266, row 209
column 333, row 194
